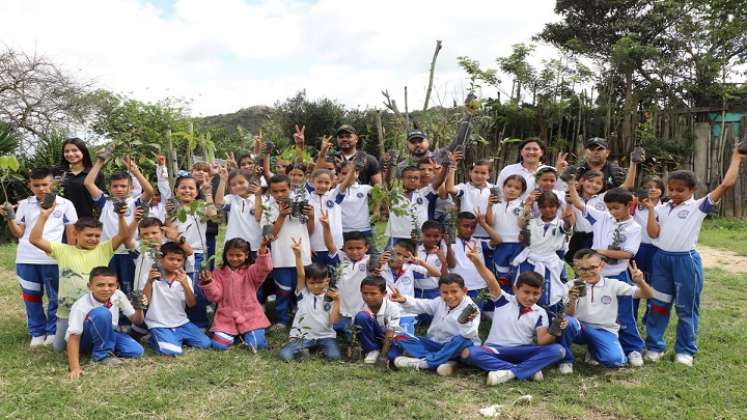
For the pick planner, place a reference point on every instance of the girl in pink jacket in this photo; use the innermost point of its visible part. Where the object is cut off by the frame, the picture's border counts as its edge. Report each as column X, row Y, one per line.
column 234, row 288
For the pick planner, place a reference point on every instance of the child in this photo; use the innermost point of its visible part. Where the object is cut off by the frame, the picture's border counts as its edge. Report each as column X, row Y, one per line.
column 285, row 229
column 36, row 271
column 504, row 216
column 433, row 175
column 518, row 346
column 312, row 325
column 379, row 317
column 415, row 207
column 355, row 217
column 433, row 252
column 616, row 238
column 399, row 271
column 654, row 188
column 120, row 188
column 166, row 318
column 75, row 262
column 93, row 323
column 234, row 288
column 546, row 235
column 194, row 231
column 591, row 183
column 459, row 263
column 296, row 173
column 447, row 335
column 473, row 195
column 324, row 198
column 207, row 182
column 677, row 274
column 243, row 206
column 595, row 323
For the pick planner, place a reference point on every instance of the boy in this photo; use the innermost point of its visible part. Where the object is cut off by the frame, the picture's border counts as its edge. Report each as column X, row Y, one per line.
column 285, row 229
column 36, row 271
column 120, row 188
column 167, row 319
column 616, row 238
column 355, row 215
column 677, row 274
column 75, row 262
column 379, row 318
column 399, row 271
column 314, row 320
column 93, row 323
column 510, row 351
column 459, row 263
column 596, row 312
column 415, row 207
column 450, row 332
column 433, row 252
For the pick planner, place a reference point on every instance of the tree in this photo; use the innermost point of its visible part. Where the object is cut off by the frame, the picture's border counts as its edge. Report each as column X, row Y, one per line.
column 516, row 65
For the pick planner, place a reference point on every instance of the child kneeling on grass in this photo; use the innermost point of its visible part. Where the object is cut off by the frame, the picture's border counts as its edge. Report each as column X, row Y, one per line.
column 93, row 322
column 379, row 318
column 456, row 319
column 318, row 310
column 169, row 297
column 234, row 288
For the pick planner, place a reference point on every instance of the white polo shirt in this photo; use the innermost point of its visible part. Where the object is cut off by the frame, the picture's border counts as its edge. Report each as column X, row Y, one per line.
column 599, row 307
column 513, row 324
column 445, row 324
column 604, row 226
column 518, row 169
column 85, row 304
column 506, row 216
column 582, row 224
column 464, row 267
column 472, row 197
column 355, row 214
column 423, row 280
column 242, row 220
column 330, row 202
column 640, row 215
column 388, row 315
column 282, row 254
column 110, row 219
column 349, row 284
column 404, row 281
column 402, row 226
column 27, row 214
column 546, row 237
column 680, row 225
column 167, row 308
column 312, row 317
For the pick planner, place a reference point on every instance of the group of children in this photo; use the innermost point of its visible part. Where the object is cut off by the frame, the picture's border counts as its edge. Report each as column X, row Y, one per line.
column 456, row 255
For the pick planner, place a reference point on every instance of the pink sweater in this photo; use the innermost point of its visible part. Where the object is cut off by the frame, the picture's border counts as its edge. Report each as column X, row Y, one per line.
column 235, row 292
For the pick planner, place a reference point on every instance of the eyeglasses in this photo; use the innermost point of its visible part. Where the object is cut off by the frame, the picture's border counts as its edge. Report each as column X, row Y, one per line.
column 587, row 269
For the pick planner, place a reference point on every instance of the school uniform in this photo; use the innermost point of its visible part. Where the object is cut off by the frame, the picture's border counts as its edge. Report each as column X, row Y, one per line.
column 311, row 327
column 194, row 232
column 284, row 261
column 426, row 286
column 349, row 283
column 677, row 274
column 473, row 197
column 645, row 255
column 167, row 320
column 37, row 272
column 583, row 236
column 96, row 324
column 415, row 206
column 329, row 202
column 509, row 345
column 122, row 262
column 373, row 326
column 242, row 220
column 473, row 281
column 404, row 281
column 158, row 210
column 595, row 323
column 518, row 169
column 545, row 239
column 506, row 216
column 446, row 336
column 355, row 214
column 605, row 226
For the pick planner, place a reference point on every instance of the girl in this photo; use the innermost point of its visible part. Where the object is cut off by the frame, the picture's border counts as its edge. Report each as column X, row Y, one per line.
column 296, row 173
column 504, row 216
column 234, row 288
column 654, row 187
column 591, row 183
column 243, row 205
column 546, row 236
column 323, row 198
column 473, row 195
column 193, row 231
column 76, row 163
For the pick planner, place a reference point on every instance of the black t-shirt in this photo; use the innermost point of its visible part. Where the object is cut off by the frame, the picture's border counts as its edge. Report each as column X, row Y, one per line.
column 614, row 175
column 370, row 166
column 73, row 190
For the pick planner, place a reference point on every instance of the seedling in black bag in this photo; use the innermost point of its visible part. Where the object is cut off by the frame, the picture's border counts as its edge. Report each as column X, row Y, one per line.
column 638, row 154
column 569, row 173
column 467, row 312
column 555, row 329
column 137, row 299
column 10, row 212
column 743, row 147
column 48, row 200
column 145, row 207
column 119, row 205
column 580, row 285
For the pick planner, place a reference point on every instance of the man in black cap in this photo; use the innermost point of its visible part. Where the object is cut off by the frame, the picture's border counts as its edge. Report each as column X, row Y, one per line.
column 347, row 143
column 418, row 148
column 595, row 158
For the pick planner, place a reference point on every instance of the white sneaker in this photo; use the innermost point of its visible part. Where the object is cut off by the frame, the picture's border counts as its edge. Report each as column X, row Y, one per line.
column 684, row 359
column 499, row 376
column 635, row 359
column 447, row 369
column 371, row 357
column 38, row 341
column 49, row 340
column 538, row 376
column 652, row 356
column 565, row 368
column 590, row 360
column 112, row 361
column 279, row 327
column 410, row 362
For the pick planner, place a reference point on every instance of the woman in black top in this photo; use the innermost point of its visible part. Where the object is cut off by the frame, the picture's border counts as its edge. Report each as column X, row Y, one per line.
column 75, row 164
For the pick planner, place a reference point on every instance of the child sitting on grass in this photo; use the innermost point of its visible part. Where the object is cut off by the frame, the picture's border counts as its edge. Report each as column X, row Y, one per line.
column 379, row 317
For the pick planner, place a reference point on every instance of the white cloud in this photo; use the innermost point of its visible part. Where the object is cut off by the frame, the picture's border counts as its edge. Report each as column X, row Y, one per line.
column 229, row 54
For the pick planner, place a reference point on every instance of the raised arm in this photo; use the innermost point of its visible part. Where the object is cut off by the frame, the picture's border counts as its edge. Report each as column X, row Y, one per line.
column 731, row 175
column 189, row 296
column 125, row 231
column 162, row 178
column 15, row 229
column 575, row 198
column 645, row 291
column 36, row 237
column 90, row 180
column 652, row 225
column 221, row 186
column 327, row 232
column 323, row 150
column 296, row 245
column 482, row 219
column 493, row 287
column 629, row 181
column 135, row 171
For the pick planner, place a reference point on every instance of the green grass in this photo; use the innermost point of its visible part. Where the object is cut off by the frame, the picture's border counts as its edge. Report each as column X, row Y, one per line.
column 725, row 233
column 237, row 383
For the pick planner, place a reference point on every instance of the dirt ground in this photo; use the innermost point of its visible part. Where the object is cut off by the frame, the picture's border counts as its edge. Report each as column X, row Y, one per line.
column 726, row 260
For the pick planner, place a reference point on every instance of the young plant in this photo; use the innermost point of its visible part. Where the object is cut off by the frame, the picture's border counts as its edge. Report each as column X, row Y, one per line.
column 302, row 333
column 8, row 165
column 197, row 211
column 335, row 277
column 354, row 352
column 617, row 239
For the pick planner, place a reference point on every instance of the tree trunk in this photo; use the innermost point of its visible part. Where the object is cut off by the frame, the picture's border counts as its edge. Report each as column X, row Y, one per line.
column 380, row 134
column 627, row 123
column 430, row 77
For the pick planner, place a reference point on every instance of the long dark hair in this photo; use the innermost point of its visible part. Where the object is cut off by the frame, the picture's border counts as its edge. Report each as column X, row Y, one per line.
column 237, row 243
column 528, row 140
column 83, row 149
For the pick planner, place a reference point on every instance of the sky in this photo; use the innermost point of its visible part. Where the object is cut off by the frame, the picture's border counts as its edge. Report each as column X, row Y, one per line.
column 224, row 55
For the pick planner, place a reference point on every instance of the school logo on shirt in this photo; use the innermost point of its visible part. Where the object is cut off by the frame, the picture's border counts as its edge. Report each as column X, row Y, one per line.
column 362, row 268
column 419, row 200
column 57, row 214
column 359, row 195
column 606, row 299
column 682, row 214
column 601, row 206
column 327, row 306
column 330, row 204
column 517, row 211
column 251, row 211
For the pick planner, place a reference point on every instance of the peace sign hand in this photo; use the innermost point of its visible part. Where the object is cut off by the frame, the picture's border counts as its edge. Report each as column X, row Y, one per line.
column 561, row 163
column 299, row 137
column 296, row 246
column 324, row 218
column 635, row 272
column 395, row 295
